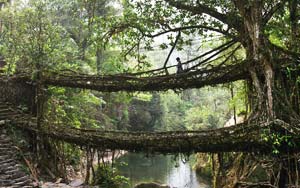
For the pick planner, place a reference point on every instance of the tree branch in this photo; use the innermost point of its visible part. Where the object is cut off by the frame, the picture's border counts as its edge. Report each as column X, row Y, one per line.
column 219, row 49
column 253, row 185
column 229, row 56
column 171, row 51
column 290, row 53
column 186, row 28
column 268, row 15
column 202, row 9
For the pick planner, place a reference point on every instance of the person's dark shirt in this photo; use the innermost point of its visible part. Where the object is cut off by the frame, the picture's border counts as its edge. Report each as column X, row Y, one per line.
column 179, row 66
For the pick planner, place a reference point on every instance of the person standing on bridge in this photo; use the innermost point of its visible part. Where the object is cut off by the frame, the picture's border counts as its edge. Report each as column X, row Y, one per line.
column 179, row 66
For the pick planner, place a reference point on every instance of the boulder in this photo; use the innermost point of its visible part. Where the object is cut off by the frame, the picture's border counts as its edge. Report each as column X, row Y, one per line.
column 76, row 183
column 151, row 185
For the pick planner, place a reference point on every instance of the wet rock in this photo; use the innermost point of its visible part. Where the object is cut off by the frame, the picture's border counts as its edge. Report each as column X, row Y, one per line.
column 55, row 185
column 58, row 180
column 76, row 183
column 151, row 185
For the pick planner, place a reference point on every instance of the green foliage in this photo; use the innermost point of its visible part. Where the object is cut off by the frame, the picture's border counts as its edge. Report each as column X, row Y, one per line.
column 107, row 177
column 145, row 112
column 173, row 112
column 206, row 108
column 70, row 108
column 278, row 141
column 113, row 65
column 239, row 99
column 31, row 42
column 278, row 29
column 143, row 96
column 199, row 118
column 203, row 165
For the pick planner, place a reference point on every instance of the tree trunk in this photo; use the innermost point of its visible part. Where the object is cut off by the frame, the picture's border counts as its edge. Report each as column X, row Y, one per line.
column 217, row 170
column 99, row 59
column 261, row 69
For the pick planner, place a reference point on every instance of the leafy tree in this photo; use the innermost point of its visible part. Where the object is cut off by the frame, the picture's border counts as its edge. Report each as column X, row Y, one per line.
column 109, row 177
column 85, row 23
column 31, row 42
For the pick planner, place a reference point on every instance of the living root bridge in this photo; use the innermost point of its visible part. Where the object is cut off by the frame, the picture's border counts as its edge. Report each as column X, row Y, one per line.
column 193, row 79
column 131, row 82
column 239, row 138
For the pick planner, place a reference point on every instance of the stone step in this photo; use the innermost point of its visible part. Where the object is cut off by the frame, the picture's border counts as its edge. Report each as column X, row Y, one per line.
column 5, row 110
column 5, row 183
column 9, row 115
column 3, row 106
column 5, row 103
column 6, row 145
column 17, row 173
column 22, row 184
column 9, row 118
column 17, row 166
column 6, row 165
column 5, row 140
column 5, row 148
column 9, row 153
column 3, row 135
column 6, row 177
column 12, row 169
column 6, row 161
column 11, row 174
column 14, row 172
column 5, row 157
column 21, row 179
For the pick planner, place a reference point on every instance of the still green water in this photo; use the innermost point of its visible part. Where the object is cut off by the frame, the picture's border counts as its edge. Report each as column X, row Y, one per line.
column 161, row 169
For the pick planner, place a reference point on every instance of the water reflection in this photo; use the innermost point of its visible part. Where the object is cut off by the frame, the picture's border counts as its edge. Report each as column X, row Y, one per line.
column 161, row 169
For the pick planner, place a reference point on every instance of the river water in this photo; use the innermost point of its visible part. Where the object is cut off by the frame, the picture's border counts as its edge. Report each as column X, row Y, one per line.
column 161, row 169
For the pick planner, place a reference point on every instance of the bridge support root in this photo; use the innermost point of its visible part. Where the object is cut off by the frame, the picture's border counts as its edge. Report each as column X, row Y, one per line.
column 244, row 170
column 231, row 168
